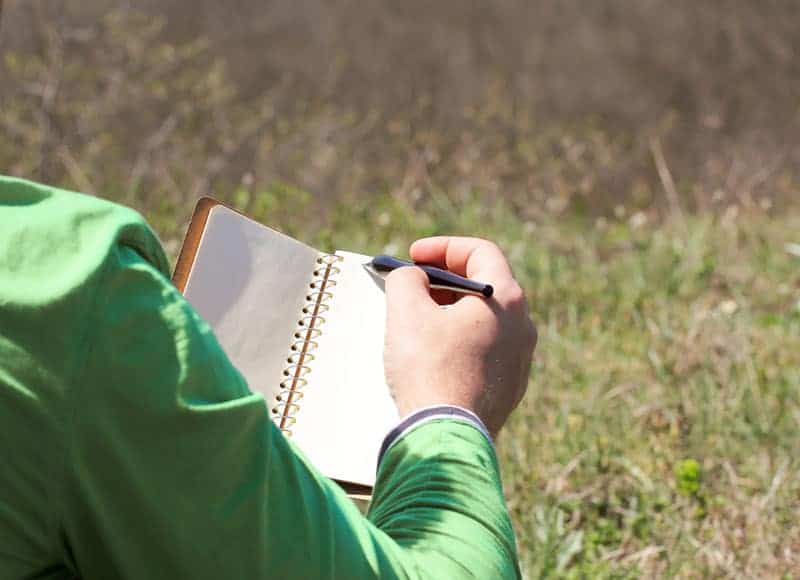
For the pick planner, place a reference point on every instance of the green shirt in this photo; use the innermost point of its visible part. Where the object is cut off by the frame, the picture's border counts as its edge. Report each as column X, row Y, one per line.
column 132, row 448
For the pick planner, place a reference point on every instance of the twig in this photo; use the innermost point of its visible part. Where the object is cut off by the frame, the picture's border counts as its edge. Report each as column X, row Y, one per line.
column 155, row 141
column 217, row 164
column 665, row 176
column 51, row 49
column 74, row 170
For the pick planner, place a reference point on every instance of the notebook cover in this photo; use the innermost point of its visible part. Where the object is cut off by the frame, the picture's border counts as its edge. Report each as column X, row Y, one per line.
column 192, row 241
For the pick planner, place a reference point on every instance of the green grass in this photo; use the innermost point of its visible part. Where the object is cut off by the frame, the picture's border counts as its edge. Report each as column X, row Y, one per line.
column 658, row 437
column 659, row 434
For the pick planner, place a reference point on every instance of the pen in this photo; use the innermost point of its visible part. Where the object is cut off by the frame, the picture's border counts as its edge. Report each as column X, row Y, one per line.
column 442, row 279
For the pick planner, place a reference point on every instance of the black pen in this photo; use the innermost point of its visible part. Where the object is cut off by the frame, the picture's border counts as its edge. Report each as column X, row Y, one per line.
column 382, row 264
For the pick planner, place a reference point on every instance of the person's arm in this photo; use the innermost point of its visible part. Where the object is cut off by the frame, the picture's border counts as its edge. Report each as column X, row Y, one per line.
column 175, row 470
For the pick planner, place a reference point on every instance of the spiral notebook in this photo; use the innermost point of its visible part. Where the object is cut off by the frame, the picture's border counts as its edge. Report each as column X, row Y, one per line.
column 304, row 327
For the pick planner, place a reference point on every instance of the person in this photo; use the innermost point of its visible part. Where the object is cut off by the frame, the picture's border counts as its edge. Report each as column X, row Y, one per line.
column 131, row 447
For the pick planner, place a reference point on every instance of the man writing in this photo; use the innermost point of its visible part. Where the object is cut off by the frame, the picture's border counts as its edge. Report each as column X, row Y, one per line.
column 132, row 448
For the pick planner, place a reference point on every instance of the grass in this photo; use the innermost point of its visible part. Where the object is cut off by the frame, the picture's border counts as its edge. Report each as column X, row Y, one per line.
column 658, row 438
column 659, row 434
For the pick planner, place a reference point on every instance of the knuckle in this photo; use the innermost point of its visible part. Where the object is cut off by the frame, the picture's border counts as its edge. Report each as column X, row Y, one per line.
column 403, row 275
column 491, row 245
column 514, row 295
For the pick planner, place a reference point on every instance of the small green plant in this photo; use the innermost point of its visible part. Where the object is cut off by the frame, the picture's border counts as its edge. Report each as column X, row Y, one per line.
column 687, row 476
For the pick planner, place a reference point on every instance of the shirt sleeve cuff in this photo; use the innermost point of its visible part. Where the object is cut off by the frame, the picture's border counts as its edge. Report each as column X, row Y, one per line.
column 426, row 415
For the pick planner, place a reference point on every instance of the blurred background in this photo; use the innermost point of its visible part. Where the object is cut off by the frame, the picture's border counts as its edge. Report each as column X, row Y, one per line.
column 639, row 161
column 557, row 105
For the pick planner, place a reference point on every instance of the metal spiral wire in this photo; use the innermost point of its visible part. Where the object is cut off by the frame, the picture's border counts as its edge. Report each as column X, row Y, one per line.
column 305, row 342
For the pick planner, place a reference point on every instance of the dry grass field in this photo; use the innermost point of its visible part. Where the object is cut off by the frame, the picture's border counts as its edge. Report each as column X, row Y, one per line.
column 638, row 161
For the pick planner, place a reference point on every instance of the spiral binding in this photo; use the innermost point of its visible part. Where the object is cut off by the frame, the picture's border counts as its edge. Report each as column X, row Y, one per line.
column 304, row 342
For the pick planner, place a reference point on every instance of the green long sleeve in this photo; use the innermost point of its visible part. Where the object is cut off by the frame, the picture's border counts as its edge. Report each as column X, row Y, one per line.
column 133, row 449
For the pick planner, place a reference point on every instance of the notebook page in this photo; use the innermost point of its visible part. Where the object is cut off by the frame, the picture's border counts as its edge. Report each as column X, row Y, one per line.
column 249, row 283
column 346, row 408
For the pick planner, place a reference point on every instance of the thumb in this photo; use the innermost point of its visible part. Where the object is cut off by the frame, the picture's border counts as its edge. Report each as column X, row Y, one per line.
column 408, row 294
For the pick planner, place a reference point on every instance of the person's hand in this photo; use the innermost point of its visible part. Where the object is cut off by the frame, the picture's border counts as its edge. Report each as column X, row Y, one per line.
column 476, row 352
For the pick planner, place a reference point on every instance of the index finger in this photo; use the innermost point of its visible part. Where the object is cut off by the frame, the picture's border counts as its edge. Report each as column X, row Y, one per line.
column 470, row 257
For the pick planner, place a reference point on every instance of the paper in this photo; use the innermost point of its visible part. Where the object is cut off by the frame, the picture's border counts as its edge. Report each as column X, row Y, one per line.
column 346, row 409
column 249, row 282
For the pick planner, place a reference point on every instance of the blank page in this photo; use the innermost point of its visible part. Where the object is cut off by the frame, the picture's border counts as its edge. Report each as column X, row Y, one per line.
column 346, row 408
column 249, row 282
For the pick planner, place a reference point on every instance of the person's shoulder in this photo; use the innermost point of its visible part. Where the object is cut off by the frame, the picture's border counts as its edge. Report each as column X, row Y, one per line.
column 57, row 250
column 60, row 240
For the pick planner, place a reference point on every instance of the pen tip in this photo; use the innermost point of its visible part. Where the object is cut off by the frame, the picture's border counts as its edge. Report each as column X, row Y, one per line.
column 487, row 291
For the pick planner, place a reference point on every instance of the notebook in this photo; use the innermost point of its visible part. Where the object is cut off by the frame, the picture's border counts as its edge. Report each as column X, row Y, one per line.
column 304, row 327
